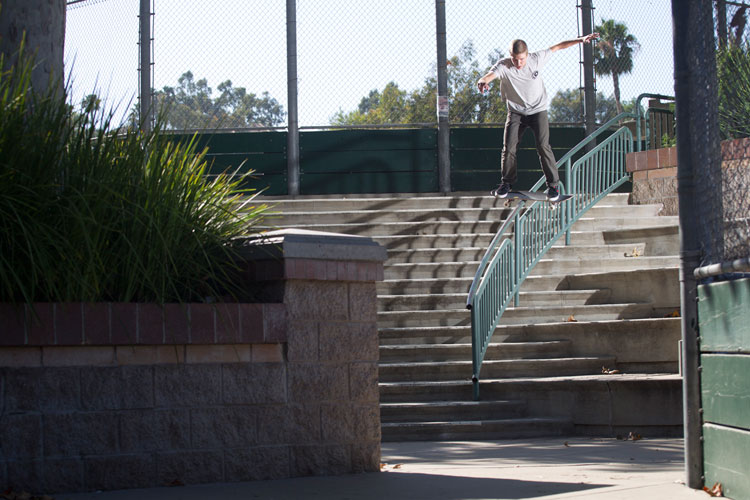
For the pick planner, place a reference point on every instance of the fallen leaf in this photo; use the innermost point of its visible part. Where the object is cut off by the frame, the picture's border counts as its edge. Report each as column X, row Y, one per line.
column 634, row 436
column 566, row 444
column 607, row 371
column 673, row 314
column 572, row 319
column 714, row 491
column 635, row 253
column 397, row 466
column 383, row 466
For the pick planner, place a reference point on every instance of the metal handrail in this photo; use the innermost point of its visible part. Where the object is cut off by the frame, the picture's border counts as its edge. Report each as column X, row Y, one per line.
column 509, row 260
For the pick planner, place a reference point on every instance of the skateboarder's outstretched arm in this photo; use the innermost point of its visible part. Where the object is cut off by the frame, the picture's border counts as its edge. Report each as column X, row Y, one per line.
column 569, row 43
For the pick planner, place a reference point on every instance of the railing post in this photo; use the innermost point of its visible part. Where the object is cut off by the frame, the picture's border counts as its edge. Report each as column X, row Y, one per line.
column 146, row 104
column 517, row 240
column 444, row 158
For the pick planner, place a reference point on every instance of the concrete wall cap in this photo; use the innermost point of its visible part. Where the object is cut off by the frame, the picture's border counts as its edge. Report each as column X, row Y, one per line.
column 306, row 244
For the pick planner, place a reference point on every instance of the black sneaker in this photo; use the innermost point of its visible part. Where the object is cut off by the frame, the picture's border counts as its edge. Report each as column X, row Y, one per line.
column 552, row 193
column 502, row 190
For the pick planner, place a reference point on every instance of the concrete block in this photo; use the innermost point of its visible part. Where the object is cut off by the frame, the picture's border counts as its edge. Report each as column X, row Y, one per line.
column 187, row 385
column 366, row 457
column 25, row 475
column 289, row 424
column 190, row 467
column 321, row 460
column 344, row 342
column 307, row 300
column 363, row 302
column 234, row 353
column 275, row 323
column 115, row 388
column 149, row 354
column 17, row 357
column 40, row 326
column 74, row 434
column 311, row 382
column 251, row 323
column 124, row 323
column 42, row 389
column 202, row 324
column 363, row 382
column 120, row 472
column 78, row 356
column 20, row 436
column 338, row 423
column 257, row 464
column 63, row 475
column 223, row 427
column 303, row 341
column 267, row 353
column 69, row 323
column 254, row 383
column 176, row 324
column 13, row 321
column 150, row 324
column 96, row 323
column 154, row 430
column 227, row 323
column 366, row 422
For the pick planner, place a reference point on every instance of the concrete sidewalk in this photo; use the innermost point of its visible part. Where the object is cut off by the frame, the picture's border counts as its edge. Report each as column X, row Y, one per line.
column 547, row 468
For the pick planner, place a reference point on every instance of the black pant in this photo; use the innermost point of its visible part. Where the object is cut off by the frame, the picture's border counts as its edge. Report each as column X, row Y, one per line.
column 515, row 125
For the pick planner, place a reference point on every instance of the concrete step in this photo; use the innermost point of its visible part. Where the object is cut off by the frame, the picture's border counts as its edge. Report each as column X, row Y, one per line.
column 463, row 254
column 450, row 226
column 284, row 216
column 570, row 388
column 400, row 201
column 458, row 352
column 476, row 429
column 431, row 301
column 459, row 285
column 499, row 368
column 517, row 315
column 446, row 411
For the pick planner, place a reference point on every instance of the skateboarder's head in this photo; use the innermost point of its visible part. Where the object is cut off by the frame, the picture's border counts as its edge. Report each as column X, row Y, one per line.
column 519, row 51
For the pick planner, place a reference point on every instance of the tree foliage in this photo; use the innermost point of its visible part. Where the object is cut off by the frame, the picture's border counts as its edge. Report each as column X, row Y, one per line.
column 567, row 106
column 191, row 104
column 393, row 105
column 613, row 54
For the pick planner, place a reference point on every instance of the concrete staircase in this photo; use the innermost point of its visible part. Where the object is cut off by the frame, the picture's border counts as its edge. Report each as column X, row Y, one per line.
column 602, row 304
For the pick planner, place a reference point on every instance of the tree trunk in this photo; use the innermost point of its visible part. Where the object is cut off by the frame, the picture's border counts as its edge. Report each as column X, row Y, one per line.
column 42, row 22
column 616, row 85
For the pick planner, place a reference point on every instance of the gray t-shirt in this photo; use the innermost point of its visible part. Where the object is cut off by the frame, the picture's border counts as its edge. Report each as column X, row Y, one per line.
column 523, row 90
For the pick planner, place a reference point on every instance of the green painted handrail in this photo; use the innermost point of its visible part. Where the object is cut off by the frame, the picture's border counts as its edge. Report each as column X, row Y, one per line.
column 510, row 258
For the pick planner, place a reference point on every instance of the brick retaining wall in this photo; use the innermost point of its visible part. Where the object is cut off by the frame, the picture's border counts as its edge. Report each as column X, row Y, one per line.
column 110, row 396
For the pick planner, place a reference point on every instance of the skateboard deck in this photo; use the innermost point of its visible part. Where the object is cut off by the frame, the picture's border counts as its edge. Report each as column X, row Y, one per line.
column 533, row 196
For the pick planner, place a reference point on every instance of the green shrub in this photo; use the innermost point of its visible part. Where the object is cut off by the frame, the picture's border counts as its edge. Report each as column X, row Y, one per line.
column 95, row 212
column 734, row 91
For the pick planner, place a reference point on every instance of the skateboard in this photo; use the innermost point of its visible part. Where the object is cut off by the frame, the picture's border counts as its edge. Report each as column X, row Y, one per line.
column 533, row 196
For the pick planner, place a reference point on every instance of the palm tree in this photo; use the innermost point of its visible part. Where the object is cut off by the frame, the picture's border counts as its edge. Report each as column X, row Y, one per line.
column 613, row 55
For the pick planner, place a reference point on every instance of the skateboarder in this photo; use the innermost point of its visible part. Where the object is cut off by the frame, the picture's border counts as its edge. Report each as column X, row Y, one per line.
column 524, row 93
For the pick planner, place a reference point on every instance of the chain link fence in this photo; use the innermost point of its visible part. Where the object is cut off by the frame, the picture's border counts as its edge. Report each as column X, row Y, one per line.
column 360, row 63
column 732, row 210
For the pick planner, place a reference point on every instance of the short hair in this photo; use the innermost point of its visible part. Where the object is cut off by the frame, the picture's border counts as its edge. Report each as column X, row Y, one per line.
column 518, row 46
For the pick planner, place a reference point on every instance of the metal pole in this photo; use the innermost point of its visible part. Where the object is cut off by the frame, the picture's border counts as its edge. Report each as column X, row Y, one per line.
column 589, row 89
column 721, row 21
column 444, row 144
column 146, row 103
column 696, row 102
column 292, row 139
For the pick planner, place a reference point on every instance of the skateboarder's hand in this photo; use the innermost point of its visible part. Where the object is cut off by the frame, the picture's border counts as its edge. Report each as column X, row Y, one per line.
column 483, row 86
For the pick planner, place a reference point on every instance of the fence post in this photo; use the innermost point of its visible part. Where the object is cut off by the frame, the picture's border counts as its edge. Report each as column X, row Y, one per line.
column 589, row 91
column 444, row 159
column 146, row 101
column 698, row 157
column 292, row 138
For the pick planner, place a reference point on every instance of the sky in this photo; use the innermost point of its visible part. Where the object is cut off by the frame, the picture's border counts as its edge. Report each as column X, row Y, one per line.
column 346, row 48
